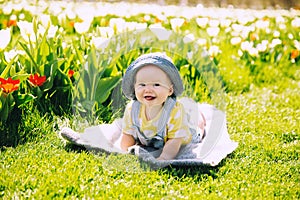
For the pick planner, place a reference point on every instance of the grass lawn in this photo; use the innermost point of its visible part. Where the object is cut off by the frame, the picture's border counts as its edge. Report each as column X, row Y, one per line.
column 265, row 122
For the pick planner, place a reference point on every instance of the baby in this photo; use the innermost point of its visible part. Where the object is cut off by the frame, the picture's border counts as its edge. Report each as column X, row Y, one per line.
column 155, row 118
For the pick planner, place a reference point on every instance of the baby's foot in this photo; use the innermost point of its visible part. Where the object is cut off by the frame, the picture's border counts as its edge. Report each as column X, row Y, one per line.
column 69, row 134
column 201, row 128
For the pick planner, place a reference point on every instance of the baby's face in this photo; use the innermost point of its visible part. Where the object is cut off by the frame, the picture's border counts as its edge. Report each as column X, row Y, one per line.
column 152, row 86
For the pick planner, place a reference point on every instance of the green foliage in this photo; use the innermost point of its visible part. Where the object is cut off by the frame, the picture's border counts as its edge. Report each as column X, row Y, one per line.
column 94, row 85
column 262, row 56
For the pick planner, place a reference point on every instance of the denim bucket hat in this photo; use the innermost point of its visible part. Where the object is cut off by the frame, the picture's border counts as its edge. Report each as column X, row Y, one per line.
column 158, row 59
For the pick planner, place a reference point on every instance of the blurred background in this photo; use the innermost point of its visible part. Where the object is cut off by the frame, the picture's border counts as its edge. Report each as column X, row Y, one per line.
column 254, row 4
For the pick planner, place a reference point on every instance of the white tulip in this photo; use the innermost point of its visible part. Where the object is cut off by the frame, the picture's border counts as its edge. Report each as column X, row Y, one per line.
column 21, row 16
column 261, row 47
column 276, row 34
column 213, row 31
column 214, row 23
column 202, row 22
column 202, row 41
column 144, row 39
column 55, row 8
column 246, row 46
column 280, row 19
column 237, row 27
column 261, row 24
column 172, row 45
column 117, row 24
column 282, row 26
column 253, row 52
column 189, row 38
column 176, row 23
column 82, row 27
column 12, row 54
column 245, row 19
column 160, row 32
column 100, row 42
column 70, row 13
column 107, row 32
column 296, row 22
column 130, row 26
column 297, row 44
column 240, row 53
column 26, row 30
column 190, row 54
column 51, row 31
column 13, row 17
column 147, row 17
column 214, row 50
column 235, row 40
column 5, row 38
column 225, row 23
column 45, row 20
column 275, row 42
column 7, row 8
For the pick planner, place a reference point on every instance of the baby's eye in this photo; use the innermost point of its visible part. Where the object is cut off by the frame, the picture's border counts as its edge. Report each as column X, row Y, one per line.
column 156, row 85
column 142, row 84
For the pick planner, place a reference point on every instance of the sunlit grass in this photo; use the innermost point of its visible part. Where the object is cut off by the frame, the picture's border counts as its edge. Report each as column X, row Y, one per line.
column 265, row 165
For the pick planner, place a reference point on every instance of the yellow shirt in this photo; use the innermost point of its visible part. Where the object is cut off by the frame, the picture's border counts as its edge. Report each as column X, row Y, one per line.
column 177, row 125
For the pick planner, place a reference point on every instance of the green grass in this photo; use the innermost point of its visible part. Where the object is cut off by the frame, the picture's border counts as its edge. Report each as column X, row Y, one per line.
column 265, row 122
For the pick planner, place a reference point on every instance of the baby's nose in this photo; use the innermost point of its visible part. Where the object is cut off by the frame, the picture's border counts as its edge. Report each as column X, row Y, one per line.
column 148, row 87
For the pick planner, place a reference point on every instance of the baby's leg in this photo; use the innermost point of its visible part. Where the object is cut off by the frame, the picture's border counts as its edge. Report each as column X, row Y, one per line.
column 205, row 114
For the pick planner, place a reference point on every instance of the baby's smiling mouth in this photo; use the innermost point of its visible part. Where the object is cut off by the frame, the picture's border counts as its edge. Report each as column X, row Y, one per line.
column 149, row 97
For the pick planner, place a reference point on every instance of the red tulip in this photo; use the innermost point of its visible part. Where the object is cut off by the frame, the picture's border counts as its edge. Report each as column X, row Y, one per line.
column 253, row 37
column 36, row 79
column 11, row 22
column 70, row 73
column 294, row 54
column 9, row 85
column 71, row 23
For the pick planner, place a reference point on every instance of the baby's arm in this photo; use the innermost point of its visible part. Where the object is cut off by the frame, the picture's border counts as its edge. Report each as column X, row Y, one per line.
column 127, row 141
column 170, row 149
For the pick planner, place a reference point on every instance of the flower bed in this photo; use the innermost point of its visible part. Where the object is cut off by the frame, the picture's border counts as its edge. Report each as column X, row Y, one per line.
column 64, row 55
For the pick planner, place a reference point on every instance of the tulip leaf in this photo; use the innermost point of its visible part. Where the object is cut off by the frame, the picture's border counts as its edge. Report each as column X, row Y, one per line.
column 7, row 106
column 88, row 105
column 4, row 113
column 44, row 48
column 27, row 50
column 104, row 87
column 24, row 98
column 6, row 70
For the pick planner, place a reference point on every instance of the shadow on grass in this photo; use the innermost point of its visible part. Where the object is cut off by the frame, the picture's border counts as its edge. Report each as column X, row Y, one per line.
column 197, row 172
column 132, row 164
column 10, row 130
column 69, row 147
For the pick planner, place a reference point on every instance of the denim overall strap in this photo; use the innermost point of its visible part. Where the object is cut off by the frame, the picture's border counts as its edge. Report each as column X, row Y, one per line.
column 163, row 120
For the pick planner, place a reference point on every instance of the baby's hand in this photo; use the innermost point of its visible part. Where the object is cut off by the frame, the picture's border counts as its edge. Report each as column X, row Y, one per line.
column 160, row 158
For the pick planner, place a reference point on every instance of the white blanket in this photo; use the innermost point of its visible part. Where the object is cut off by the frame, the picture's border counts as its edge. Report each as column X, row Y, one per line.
column 215, row 146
